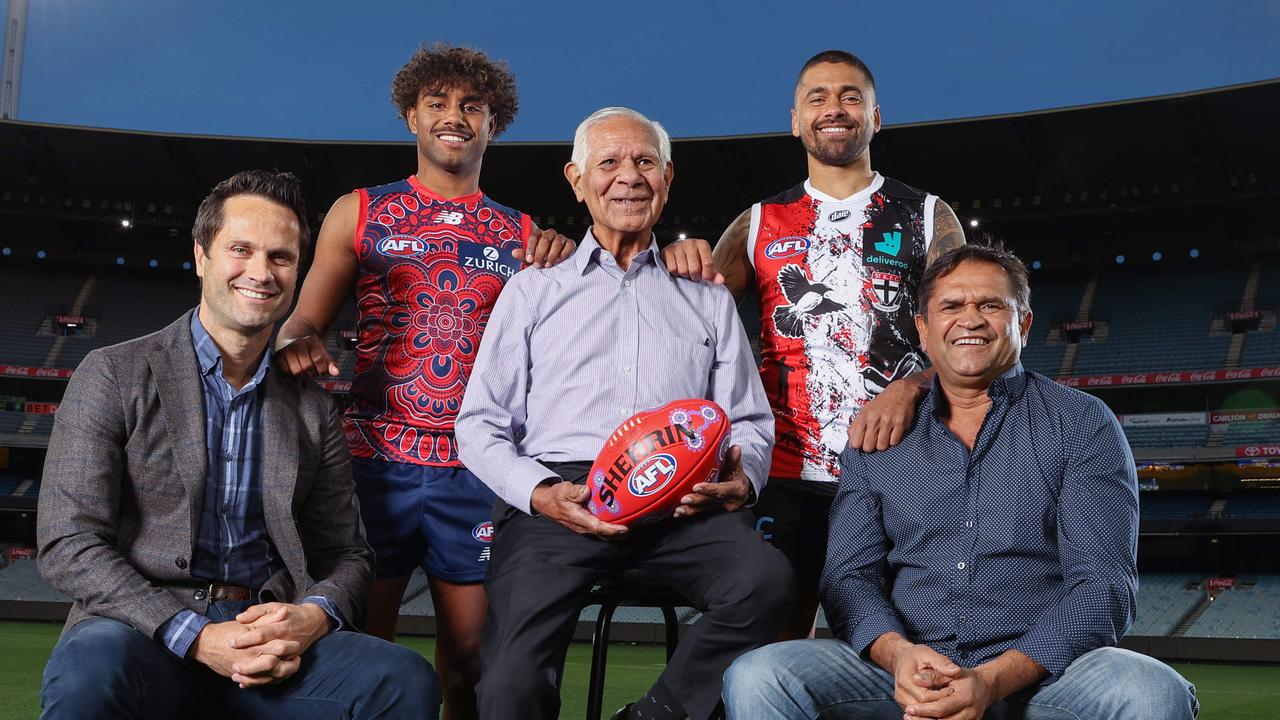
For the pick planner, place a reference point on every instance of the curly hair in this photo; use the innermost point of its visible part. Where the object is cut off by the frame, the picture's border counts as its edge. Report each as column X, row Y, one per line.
column 442, row 65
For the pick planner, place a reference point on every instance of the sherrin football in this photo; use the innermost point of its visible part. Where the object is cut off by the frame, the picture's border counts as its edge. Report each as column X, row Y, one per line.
column 655, row 458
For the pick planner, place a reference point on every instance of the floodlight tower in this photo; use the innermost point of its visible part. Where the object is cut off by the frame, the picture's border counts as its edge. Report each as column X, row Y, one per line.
column 15, row 34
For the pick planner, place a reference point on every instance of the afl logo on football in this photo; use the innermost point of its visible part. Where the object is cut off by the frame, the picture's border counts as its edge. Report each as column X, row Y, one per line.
column 483, row 532
column 401, row 246
column 652, row 475
column 786, row 247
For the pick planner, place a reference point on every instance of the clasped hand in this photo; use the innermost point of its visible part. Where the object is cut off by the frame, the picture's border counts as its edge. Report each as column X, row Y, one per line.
column 928, row 684
column 263, row 644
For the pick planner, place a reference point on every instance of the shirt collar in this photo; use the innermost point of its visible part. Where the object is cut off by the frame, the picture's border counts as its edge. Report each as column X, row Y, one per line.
column 209, row 357
column 589, row 251
column 1009, row 385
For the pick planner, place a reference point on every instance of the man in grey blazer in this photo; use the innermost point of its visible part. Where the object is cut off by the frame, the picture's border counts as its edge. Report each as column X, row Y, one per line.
column 197, row 504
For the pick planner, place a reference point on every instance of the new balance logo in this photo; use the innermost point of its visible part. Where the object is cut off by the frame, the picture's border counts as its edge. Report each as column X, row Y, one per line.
column 449, row 217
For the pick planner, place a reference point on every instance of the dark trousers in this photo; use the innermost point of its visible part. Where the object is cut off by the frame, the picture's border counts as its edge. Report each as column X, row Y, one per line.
column 540, row 574
column 103, row 668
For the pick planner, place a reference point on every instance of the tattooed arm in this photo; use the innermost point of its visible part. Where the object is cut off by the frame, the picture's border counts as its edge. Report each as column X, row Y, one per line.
column 947, row 231
column 731, row 258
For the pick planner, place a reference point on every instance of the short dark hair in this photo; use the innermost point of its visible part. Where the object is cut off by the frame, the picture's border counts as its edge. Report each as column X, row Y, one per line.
column 994, row 254
column 280, row 187
column 442, row 65
column 838, row 56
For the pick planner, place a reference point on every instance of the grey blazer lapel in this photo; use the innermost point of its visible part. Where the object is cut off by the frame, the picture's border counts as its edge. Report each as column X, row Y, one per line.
column 280, row 463
column 177, row 378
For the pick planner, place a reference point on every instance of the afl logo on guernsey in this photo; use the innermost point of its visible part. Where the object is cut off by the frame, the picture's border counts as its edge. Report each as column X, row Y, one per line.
column 652, row 475
column 786, row 247
column 401, row 246
column 483, row 532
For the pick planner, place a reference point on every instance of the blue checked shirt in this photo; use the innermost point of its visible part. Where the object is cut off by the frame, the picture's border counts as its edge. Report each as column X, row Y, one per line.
column 572, row 351
column 1028, row 542
column 232, row 544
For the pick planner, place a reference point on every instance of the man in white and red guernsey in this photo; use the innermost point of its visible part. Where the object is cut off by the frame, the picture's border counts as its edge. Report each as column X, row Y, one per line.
column 427, row 257
column 834, row 264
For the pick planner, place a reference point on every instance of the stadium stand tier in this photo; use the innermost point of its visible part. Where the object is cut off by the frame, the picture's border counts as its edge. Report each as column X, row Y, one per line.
column 1170, row 505
column 1164, row 601
column 1244, row 611
column 1151, row 328
column 1175, row 436
column 1254, row 504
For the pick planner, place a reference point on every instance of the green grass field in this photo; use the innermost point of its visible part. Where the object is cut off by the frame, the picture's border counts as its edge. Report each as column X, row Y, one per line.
column 1227, row 692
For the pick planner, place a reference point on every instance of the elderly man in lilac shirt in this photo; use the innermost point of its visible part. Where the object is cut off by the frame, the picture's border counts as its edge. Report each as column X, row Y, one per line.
column 569, row 353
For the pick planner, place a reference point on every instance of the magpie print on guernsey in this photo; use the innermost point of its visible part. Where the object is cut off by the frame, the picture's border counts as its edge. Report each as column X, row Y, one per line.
column 431, row 269
column 807, row 299
column 837, row 281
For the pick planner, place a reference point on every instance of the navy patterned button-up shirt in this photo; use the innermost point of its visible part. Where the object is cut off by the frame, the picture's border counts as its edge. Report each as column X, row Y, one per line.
column 1028, row 542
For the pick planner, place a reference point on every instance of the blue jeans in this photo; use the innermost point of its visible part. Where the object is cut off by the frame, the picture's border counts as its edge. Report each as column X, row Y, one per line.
column 103, row 668
column 826, row 679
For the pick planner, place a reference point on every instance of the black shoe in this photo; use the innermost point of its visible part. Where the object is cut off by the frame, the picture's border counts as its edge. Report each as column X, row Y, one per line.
column 623, row 712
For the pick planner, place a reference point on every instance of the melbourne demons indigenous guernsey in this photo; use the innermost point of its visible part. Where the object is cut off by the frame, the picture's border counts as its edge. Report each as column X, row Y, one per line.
column 430, row 270
column 837, row 284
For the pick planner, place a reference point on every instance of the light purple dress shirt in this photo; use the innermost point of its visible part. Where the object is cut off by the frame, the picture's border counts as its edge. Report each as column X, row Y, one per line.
column 572, row 351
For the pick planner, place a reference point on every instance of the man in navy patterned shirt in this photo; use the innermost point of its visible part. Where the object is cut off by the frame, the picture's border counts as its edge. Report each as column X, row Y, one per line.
column 987, row 565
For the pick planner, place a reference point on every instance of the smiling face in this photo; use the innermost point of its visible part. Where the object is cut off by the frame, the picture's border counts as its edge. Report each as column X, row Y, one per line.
column 971, row 329
column 835, row 113
column 250, row 270
column 453, row 126
column 622, row 181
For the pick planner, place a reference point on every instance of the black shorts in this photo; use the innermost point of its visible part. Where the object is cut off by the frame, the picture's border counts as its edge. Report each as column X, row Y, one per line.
column 792, row 515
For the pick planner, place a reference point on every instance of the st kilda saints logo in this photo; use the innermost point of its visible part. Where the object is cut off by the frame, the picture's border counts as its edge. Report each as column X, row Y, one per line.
column 886, row 291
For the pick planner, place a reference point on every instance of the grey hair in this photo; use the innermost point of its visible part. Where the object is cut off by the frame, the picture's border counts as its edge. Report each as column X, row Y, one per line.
column 580, row 149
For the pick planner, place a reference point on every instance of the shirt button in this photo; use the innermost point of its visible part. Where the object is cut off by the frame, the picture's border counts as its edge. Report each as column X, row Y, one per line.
column 228, row 457
column 964, row 655
column 198, row 594
column 626, row 283
column 626, row 370
column 622, row 412
column 181, row 563
column 225, row 508
column 959, row 566
column 968, row 523
column 963, row 619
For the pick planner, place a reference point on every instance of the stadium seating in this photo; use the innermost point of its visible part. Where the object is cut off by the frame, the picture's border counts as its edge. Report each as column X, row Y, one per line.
column 1164, row 600
column 1173, row 505
column 27, row 296
column 1243, row 612
column 1054, row 297
column 1167, row 436
column 1253, row 504
column 1262, row 348
column 1152, row 329
column 21, row 581
column 1252, row 433
column 127, row 313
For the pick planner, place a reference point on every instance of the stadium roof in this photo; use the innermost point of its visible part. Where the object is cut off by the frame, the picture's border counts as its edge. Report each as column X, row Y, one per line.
column 1176, row 151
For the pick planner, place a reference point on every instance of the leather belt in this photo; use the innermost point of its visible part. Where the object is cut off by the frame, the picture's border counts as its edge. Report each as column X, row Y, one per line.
column 234, row 593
